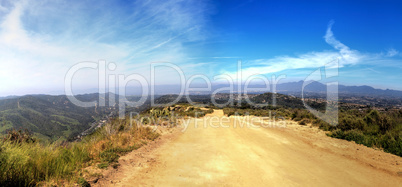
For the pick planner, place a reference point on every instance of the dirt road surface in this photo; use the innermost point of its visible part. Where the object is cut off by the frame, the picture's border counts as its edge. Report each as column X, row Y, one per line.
column 217, row 151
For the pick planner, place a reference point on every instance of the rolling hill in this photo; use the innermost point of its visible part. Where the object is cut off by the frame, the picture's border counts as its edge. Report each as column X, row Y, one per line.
column 50, row 117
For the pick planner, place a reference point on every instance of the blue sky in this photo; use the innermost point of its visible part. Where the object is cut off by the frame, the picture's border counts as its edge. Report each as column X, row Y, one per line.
column 41, row 40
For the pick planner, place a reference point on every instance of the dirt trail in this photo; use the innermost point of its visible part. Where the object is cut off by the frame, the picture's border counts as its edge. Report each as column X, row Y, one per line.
column 231, row 155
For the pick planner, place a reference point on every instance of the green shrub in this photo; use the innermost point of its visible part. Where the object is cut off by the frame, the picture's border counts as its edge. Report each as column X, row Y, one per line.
column 304, row 121
column 103, row 165
column 392, row 143
column 82, row 182
column 107, row 156
column 19, row 136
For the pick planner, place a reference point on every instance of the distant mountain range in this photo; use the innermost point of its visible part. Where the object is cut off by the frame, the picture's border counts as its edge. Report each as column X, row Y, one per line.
column 293, row 88
column 316, row 87
column 9, row 97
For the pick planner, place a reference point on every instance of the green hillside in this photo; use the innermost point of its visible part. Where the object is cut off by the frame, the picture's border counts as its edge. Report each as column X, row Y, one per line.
column 51, row 117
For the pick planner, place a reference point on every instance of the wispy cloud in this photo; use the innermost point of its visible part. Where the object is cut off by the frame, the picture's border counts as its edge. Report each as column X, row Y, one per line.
column 372, row 70
column 346, row 55
column 39, row 43
column 225, row 57
column 342, row 53
column 2, row 8
column 392, row 52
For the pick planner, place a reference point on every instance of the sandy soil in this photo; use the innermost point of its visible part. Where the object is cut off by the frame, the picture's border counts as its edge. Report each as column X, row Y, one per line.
column 221, row 151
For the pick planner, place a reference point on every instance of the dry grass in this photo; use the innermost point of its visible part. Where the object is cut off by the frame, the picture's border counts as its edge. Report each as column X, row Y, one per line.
column 29, row 163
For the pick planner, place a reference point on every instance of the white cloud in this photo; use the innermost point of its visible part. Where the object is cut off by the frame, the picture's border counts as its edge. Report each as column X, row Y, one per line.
column 38, row 43
column 308, row 60
column 346, row 55
column 392, row 52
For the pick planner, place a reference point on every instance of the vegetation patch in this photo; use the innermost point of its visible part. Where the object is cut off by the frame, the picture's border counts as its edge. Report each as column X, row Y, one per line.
column 24, row 161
